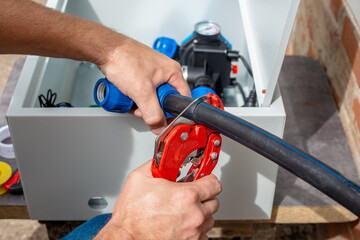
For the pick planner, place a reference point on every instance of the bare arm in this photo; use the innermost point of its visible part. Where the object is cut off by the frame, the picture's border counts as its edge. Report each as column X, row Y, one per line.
column 29, row 28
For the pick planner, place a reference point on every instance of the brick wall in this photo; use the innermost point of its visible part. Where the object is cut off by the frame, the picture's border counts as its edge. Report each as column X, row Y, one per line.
column 327, row 30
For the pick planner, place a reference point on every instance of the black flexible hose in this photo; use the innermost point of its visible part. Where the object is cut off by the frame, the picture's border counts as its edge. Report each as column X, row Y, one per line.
column 246, row 65
column 252, row 99
column 308, row 168
column 241, row 90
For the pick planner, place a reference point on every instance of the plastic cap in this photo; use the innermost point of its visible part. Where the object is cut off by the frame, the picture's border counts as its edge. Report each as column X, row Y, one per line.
column 166, row 46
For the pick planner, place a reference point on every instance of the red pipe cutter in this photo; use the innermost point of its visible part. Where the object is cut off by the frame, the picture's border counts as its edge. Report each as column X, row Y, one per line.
column 174, row 146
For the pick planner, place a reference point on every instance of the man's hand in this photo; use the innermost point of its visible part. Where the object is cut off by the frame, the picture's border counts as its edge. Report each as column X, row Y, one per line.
column 154, row 208
column 138, row 71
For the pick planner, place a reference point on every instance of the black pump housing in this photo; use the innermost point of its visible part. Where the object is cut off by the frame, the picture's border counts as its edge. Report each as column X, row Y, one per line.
column 210, row 56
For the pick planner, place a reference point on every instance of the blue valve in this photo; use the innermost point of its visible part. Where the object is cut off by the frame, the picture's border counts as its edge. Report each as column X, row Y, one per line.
column 109, row 97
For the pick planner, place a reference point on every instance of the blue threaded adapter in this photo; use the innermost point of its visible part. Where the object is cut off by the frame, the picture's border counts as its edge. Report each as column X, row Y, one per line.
column 110, row 98
column 201, row 91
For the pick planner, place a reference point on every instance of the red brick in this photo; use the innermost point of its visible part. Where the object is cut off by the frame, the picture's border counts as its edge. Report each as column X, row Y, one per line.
column 288, row 51
column 333, row 230
column 336, row 98
column 355, row 228
column 345, row 231
column 335, row 7
column 309, row 26
column 303, row 38
column 349, row 40
column 356, row 111
column 311, row 52
column 356, row 67
column 332, row 37
column 339, row 231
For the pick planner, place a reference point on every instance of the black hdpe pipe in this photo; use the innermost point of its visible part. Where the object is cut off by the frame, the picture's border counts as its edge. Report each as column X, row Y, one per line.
column 306, row 167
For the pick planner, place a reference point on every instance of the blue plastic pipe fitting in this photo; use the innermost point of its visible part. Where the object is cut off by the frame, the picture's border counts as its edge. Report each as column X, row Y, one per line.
column 110, row 98
column 163, row 91
column 201, row 91
column 166, row 46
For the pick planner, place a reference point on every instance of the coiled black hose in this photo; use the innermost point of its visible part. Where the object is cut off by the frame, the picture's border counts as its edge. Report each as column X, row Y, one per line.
column 308, row 168
column 252, row 99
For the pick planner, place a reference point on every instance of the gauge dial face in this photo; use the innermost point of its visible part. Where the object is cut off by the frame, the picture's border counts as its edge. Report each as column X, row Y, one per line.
column 207, row 28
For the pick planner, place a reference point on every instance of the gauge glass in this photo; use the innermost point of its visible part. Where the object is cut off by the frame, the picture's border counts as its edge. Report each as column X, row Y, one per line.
column 207, row 28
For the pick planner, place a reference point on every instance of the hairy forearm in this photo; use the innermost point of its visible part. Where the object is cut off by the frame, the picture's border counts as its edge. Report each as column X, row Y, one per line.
column 29, row 28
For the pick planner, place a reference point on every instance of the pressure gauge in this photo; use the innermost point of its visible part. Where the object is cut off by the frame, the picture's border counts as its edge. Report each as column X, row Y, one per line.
column 207, row 28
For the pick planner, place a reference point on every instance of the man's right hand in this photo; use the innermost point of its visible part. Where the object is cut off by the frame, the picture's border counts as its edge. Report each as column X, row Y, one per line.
column 137, row 71
column 154, row 208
